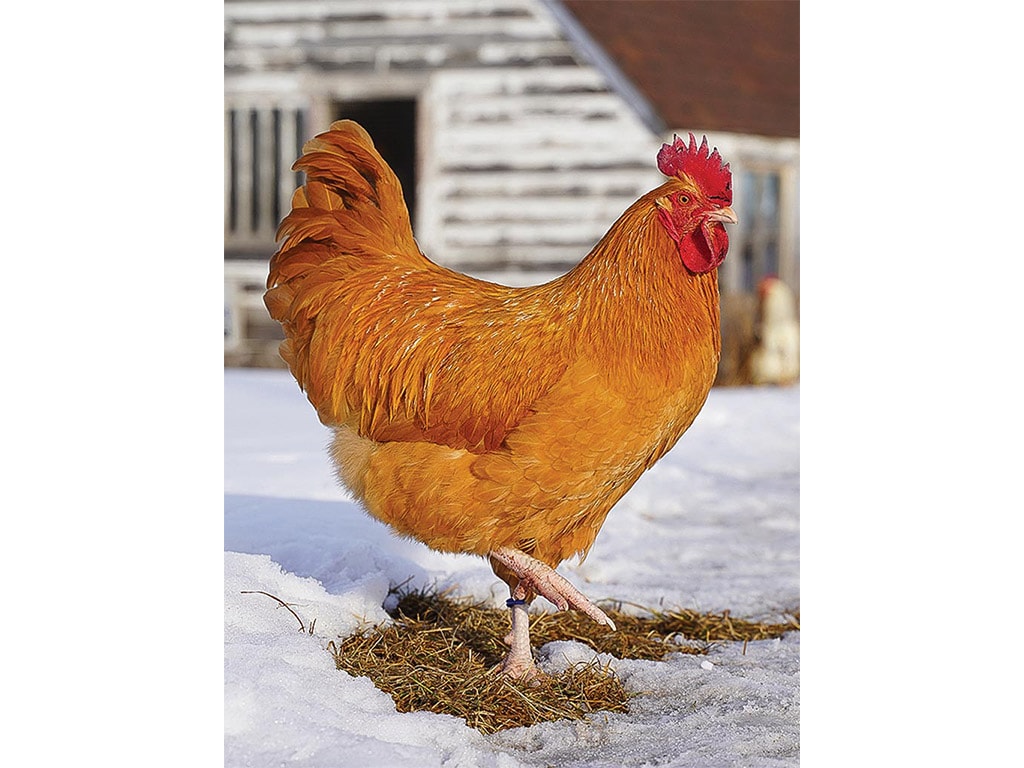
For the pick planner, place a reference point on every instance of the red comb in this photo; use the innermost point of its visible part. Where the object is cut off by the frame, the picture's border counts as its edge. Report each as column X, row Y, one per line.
column 703, row 168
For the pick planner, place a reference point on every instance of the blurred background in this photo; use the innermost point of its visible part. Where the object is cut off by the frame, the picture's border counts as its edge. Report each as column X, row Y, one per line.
column 520, row 130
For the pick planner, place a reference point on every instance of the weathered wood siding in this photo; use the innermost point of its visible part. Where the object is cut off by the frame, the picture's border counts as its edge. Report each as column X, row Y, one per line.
column 525, row 154
column 527, row 167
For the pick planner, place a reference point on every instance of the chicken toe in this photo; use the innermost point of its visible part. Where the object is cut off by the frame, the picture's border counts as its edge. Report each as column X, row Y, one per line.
column 541, row 578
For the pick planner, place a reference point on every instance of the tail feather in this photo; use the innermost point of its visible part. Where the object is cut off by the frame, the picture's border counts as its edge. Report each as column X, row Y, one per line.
column 351, row 209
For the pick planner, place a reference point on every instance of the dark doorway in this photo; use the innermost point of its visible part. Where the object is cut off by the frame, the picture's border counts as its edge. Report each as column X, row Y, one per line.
column 392, row 125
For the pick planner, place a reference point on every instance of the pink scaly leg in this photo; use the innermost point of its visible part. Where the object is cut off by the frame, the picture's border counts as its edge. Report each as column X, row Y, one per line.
column 545, row 581
column 519, row 662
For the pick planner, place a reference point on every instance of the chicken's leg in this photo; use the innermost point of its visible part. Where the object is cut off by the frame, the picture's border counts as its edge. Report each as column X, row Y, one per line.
column 542, row 579
column 519, row 662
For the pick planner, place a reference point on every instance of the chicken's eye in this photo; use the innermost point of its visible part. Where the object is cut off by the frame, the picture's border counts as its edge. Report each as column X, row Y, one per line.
column 683, row 199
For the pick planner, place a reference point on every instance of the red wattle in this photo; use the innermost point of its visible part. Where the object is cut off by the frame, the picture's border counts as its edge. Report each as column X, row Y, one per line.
column 705, row 248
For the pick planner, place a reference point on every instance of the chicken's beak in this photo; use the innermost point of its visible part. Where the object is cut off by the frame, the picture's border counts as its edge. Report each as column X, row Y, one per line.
column 725, row 215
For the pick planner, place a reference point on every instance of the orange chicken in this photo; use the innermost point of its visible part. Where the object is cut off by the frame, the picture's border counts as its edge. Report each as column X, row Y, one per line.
column 502, row 422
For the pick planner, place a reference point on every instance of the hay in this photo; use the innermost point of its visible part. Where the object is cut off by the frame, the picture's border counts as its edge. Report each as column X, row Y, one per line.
column 439, row 655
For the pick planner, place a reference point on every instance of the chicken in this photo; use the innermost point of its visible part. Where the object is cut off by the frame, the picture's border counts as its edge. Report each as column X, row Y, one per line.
column 477, row 418
column 776, row 357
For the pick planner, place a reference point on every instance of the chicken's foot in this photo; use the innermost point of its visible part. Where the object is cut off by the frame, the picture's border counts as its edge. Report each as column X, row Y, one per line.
column 541, row 578
column 538, row 578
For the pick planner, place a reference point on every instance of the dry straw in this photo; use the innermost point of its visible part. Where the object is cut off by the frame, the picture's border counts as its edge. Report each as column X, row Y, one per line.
column 439, row 655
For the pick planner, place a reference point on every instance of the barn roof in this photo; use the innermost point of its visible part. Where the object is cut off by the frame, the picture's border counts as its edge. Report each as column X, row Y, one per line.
column 722, row 65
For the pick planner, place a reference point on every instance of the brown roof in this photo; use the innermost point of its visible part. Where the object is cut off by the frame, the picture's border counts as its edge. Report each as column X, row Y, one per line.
column 726, row 65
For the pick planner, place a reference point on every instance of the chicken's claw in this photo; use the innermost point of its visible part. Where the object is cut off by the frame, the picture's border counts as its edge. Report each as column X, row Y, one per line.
column 541, row 578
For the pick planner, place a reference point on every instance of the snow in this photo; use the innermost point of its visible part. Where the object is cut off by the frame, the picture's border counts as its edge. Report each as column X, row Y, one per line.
column 714, row 526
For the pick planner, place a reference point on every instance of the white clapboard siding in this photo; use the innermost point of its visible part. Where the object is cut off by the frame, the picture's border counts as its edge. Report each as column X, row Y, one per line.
column 576, row 137
column 527, row 166
column 503, row 107
column 373, row 10
column 295, row 32
column 544, row 209
column 357, row 34
column 546, row 185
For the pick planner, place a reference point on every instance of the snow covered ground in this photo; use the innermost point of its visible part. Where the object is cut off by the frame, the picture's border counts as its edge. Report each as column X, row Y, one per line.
column 714, row 526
